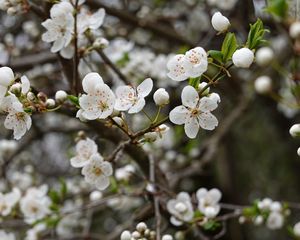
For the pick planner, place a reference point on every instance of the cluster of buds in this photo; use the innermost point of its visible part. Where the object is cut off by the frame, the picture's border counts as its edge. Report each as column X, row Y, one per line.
column 12, row 7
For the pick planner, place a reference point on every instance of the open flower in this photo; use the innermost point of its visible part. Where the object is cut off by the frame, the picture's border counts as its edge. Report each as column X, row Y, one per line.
column 97, row 172
column 60, row 27
column 6, row 78
column 181, row 209
column 133, row 99
column 208, row 201
column 99, row 101
column 17, row 120
column 195, row 112
column 90, row 21
column 8, row 201
column 84, row 150
column 35, row 205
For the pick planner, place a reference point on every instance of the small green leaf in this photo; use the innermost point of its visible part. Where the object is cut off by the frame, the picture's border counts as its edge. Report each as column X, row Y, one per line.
column 229, row 46
column 256, row 34
column 54, row 195
column 216, row 55
column 74, row 100
column 211, row 225
column 278, row 8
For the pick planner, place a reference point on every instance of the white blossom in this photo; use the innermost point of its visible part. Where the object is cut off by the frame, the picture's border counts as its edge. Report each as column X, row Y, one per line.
column 6, row 78
column 97, row 172
column 208, row 201
column 60, row 26
column 99, row 101
column 219, row 22
column 275, row 221
column 16, row 119
column 295, row 130
column 8, row 201
column 194, row 112
column 35, row 205
column 181, row 209
column 126, row 235
column 243, row 58
column 133, row 99
column 85, row 149
column 90, row 21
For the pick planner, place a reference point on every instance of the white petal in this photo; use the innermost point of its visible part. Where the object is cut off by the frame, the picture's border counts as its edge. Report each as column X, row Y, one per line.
column 125, row 98
column 191, row 127
column 102, row 182
column 207, row 104
column 96, row 20
column 189, row 97
column 106, row 169
column 145, row 87
column 78, row 162
column 179, row 68
column 25, row 84
column 183, row 196
column 67, row 52
column 90, row 81
column 215, row 195
column 138, row 106
column 6, row 76
column 201, row 193
column 175, row 221
column 208, row 121
column 3, row 91
column 198, row 58
column 179, row 115
column 58, row 45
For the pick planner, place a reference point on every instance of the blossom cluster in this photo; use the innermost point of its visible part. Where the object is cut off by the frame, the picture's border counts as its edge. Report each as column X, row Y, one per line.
column 182, row 209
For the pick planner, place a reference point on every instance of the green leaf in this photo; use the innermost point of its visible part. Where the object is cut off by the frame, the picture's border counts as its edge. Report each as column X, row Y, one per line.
column 63, row 188
column 250, row 212
column 278, row 8
column 211, row 225
column 54, row 195
column 216, row 55
column 74, row 100
column 194, row 82
column 229, row 46
column 256, row 34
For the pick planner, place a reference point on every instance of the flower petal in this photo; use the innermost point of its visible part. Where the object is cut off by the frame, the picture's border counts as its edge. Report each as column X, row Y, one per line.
column 179, row 115
column 191, row 127
column 189, row 97
column 90, row 81
column 145, row 87
column 138, row 106
column 208, row 121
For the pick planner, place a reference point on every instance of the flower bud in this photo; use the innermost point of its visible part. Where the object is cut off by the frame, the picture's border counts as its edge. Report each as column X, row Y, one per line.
column 95, row 196
column 298, row 151
column 219, row 22
column 161, row 97
column 141, row 227
column 263, row 84
column 264, row 56
column 100, row 43
column 243, row 58
column 126, row 235
column 6, row 76
column 296, row 229
column 242, row 220
column 295, row 30
column 167, row 237
column 295, row 130
column 16, row 88
column 30, row 96
column 150, row 136
column 61, row 96
column 258, row 220
column 202, row 86
column 136, row 235
column 12, row 11
column 50, row 103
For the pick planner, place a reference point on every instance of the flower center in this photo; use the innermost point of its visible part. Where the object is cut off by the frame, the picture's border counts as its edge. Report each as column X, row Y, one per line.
column 97, row 171
column 195, row 112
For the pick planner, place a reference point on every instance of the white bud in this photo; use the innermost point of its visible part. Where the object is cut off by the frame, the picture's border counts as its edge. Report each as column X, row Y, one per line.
column 263, row 84
column 16, row 88
column 295, row 30
column 30, row 96
column 243, row 58
column 298, row 151
column 95, row 196
column 258, row 220
column 276, row 206
column 264, row 56
column 295, row 130
column 12, row 11
column 6, row 76
column 119, row 121
column 296, row 229
column 50, row 103
column 161, row 97
column 202, row 86
column 210, row 212
column 242, row 219
column 141, row 227
column 100, row 43
column 61, row 96
column 167, row 237
column 219, row 22
column 150, row 136
column 126, row 235
column 136, row 235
